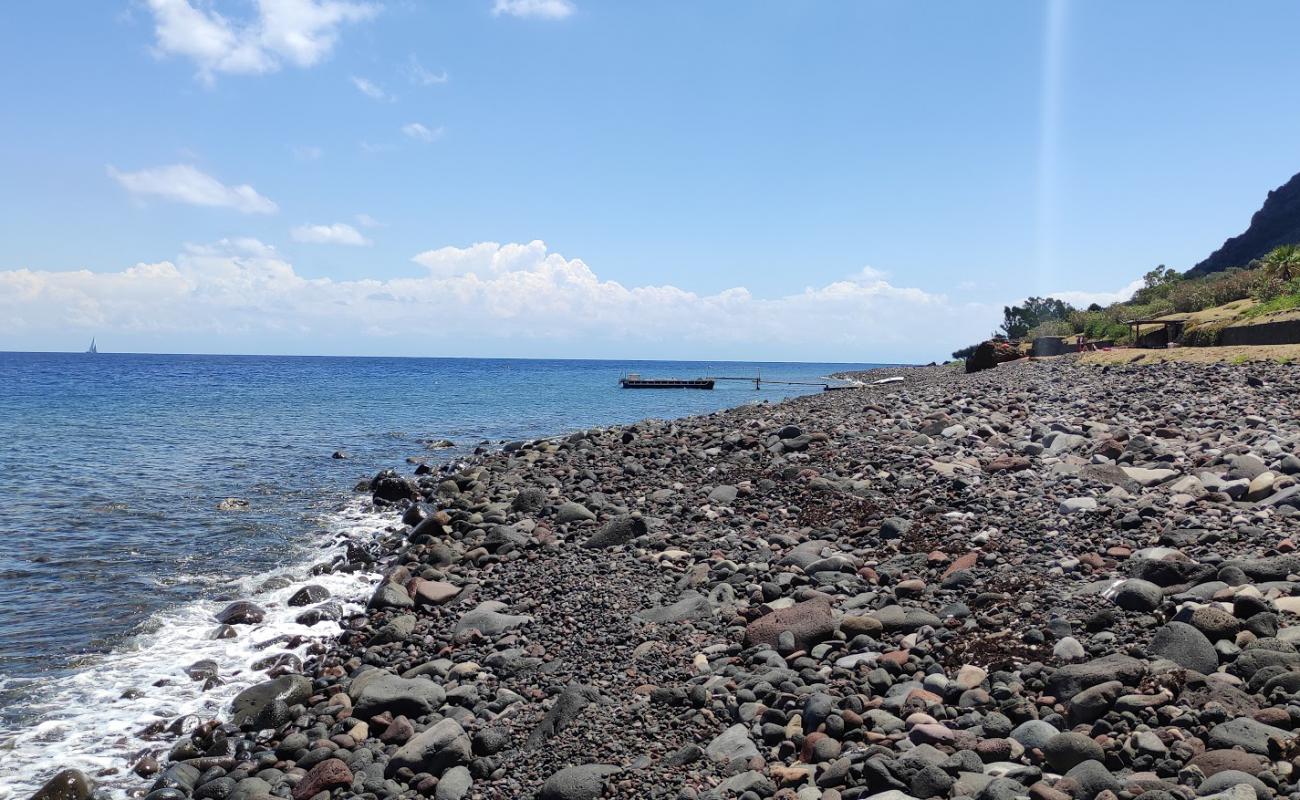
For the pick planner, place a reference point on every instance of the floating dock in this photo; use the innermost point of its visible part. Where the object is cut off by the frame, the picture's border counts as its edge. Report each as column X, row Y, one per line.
column 635, row 381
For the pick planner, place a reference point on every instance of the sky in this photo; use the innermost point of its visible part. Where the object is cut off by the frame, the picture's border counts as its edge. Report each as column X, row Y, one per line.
column 816, row 181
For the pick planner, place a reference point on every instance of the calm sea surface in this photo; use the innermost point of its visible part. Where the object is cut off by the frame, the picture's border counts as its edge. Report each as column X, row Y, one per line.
column 112, row 468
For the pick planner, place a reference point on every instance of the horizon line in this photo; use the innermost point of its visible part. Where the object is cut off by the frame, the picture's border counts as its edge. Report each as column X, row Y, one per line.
column 454, row 358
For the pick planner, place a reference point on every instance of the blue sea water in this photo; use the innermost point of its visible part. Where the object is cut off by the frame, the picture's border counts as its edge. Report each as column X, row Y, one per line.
column 114, row 551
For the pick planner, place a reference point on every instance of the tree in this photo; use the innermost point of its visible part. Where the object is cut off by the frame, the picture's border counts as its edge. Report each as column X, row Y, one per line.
column 1161, row 276
column 1157, row 283
column 1283, row 263
column 1017, row 321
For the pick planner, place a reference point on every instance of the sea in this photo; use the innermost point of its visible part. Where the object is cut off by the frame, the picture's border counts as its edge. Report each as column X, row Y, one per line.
column 116, row 552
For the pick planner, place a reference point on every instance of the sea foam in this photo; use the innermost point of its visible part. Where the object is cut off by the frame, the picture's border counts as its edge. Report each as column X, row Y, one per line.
column 83, row 719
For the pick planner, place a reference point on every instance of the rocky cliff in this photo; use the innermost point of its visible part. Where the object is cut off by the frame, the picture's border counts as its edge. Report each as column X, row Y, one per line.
column 1276, row 223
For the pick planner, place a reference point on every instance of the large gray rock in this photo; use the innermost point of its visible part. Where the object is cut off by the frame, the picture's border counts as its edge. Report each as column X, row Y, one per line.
column 1242, row 791
column 435, row 750
column 691, row 606
column 1136, row 594
column 377, row 691
column 733, row 744
column 583, row 782
column 1064, row 751
column 398, row 629
column 617, row 531
column 454, row 784
column 1185, row 646
column 1092, row 703
column 529, row 499
column 391, row 595
column 487, row 619
column 573, row 512
column 1249, row 735
column 568, row 706
column 1225, row 780
column 1034, row 733
column 1068, row 681
column 1092, row 778
column 723, row 495
column 266, row 705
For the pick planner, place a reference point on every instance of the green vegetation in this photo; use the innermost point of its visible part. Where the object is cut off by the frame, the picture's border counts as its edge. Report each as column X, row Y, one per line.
column 1019, row 321
column 1283, row 302
column 1283, row 263
column 1209, row 303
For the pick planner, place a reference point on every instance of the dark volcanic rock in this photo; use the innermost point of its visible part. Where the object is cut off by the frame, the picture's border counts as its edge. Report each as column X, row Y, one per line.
column 617, row 531
column 584, row 782
column 1186, row 647
column 266, row 705
column 1276, row 223
column 241, row 612
column 69, row 784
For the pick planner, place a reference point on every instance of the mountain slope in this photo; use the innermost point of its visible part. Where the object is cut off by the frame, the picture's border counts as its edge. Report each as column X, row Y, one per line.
column 1276, row 223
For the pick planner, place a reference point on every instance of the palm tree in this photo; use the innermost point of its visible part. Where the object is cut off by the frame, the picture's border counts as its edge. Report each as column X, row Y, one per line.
column 1283, row 263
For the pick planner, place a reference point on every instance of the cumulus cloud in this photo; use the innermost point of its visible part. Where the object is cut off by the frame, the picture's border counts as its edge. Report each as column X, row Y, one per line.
column 297, row 32
column 1080, row 299
column 505, row 298
column 338, row 233
column 367, row 221
column 183, row 183
column 542, row 9
column 371, row 89
column 421, row 133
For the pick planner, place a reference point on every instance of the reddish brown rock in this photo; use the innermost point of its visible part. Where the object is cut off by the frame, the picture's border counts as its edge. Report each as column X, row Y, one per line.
column 1214, row 761
column 328, row 774
column 809, row 621
column 1008, row 463
column 963, row 562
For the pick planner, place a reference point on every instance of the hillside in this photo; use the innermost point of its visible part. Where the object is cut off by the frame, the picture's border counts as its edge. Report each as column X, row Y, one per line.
column 1276, row 223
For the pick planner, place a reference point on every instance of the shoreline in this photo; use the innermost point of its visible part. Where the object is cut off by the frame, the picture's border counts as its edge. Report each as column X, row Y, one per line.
column 639, row 627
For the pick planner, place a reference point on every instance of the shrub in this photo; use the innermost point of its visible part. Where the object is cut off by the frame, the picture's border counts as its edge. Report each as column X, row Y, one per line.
column 1051, row 327
column 1283, row 263
column 1287, row 298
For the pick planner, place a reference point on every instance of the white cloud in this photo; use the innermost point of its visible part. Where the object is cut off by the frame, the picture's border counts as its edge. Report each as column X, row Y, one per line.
column 424, row 77
column 371, row 89
column 511, row 298
column 543, row 9
column 420, row 132
column 183, row 183
column 338, row 233
column 367, row 221
column 297, row 32
column 308, row 152
column 1080, row 299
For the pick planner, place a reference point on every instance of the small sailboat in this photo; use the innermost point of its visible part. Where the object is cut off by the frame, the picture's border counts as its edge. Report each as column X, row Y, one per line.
column 92, row 350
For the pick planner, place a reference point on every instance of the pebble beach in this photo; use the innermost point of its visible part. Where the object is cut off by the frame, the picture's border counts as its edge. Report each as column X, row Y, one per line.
column 1050, row 579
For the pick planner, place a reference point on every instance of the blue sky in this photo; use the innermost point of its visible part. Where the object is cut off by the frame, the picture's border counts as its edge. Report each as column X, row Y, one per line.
column 809, row 180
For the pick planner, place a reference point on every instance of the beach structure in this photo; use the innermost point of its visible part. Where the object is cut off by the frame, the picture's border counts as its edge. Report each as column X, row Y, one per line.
column 635, row 381
column 1167, row 331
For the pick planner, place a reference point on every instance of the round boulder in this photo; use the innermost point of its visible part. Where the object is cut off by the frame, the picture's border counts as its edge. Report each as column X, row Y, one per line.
column 1065, row 751
column 1185, row 646
column 1136, row 594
